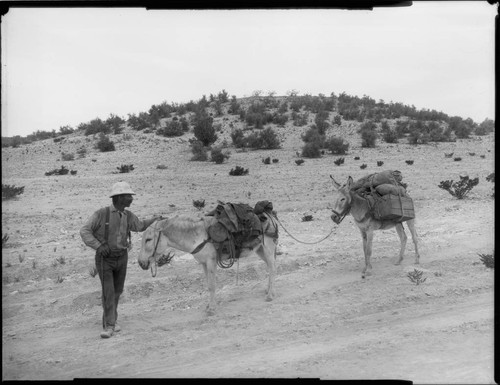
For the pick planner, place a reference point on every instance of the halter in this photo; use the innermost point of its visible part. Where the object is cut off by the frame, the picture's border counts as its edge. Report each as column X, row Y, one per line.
column 341, row 215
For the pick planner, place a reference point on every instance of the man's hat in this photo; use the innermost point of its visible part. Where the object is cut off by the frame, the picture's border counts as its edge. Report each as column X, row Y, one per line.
column 120, row 188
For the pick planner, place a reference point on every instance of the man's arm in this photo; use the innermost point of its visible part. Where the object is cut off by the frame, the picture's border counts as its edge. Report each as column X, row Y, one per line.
column 87, row 231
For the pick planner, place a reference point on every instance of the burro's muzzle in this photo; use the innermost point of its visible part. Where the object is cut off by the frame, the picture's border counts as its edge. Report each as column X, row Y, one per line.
column 339, row 217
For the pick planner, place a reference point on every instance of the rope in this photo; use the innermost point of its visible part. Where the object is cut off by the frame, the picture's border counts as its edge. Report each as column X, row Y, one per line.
column 298, row 240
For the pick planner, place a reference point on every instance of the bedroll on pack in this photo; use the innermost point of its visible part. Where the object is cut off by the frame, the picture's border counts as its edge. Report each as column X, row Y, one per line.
column 373, row 180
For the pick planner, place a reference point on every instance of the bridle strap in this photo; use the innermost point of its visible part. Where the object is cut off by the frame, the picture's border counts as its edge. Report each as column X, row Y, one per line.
column 154, row 252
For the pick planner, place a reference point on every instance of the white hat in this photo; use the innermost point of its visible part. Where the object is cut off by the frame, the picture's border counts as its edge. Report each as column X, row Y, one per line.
column 120, row 188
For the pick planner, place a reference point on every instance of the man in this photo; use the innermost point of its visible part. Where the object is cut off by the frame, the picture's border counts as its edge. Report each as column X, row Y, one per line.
column 106, row 232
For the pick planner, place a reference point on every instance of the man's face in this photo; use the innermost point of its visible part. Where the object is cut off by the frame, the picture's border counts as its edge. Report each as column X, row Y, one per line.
column 125, row 200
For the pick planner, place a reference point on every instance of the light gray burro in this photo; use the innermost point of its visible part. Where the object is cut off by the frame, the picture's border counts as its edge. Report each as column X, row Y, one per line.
column 345, row 201
column 188, row 233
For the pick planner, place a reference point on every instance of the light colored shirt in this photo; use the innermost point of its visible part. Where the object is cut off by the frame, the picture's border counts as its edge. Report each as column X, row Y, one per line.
column 120, row 223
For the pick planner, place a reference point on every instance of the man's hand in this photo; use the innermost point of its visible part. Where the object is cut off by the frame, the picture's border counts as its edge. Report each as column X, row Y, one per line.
column 103, row 250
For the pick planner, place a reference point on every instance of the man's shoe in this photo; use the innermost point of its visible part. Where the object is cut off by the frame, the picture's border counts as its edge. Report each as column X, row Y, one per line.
column 107, row 333
column 117, row 328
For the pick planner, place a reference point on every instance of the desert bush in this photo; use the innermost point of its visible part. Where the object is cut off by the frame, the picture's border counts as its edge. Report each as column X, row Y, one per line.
column 73, row 172
column 139, row 122
column 67, row 156
column 491, row 178
column 218, row 156
column 11, row 191
column 368, row 136
column 199, row 204
column 5, row 238
column 337, row 120
column 380, row 163
column 280, row 119
column 125, row 168
column 416, row 276
column 410, row 162
column 461, row 188
column 488, row 260
column 199, row 151
column 268, row 140
column 161, row 167
column 485, row 127
column 337, row 145
column 204, row 130
column 104, row 144
column 472, row 153
column 275, row 160
column 307, row 218
column 82, row 152
column 448, row 155
column 59, row 139
column 96, row 126
column 311, row 150
column 238, row 138
column 339, row 161
column 61, row 171
column 357, row 158
column 363, row 166
column 59, row 279
column 238, row 171
column 61, row 260
column 457, row 159
column 390, row 136
column 172, row 129
column 115, row 123
column 266, row 160
column 300, row 120
column 312, row 135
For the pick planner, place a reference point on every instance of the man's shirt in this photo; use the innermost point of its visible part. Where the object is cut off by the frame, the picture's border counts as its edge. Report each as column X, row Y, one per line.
column 120, row 223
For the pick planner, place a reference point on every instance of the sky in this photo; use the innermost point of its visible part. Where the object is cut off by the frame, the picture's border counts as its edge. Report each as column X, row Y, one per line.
column 66, row 66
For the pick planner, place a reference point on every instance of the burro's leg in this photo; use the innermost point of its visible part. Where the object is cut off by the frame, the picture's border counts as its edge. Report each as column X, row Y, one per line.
column 402, row 238
column 367, row 237
column 267, row 252
column 210, row 267
column 413, row 231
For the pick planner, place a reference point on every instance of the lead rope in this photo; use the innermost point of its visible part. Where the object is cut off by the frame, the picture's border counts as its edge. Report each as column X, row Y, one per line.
column 298, row 240
column 154, row 252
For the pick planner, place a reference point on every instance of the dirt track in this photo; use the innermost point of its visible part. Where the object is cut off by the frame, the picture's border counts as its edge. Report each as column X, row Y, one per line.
column 326, row 322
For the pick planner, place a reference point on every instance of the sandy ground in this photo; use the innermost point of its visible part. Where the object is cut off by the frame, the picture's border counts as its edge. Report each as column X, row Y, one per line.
column 326, row 322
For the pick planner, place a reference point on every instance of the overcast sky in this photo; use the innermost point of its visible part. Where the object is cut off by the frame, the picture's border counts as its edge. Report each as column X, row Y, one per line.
column 68, row 66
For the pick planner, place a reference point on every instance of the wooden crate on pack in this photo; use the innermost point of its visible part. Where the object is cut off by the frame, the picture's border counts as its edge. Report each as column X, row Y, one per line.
column 394, row 207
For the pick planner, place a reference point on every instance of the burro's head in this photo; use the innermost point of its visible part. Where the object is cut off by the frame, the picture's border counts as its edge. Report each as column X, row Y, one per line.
column 152, row 245
column 341, row 199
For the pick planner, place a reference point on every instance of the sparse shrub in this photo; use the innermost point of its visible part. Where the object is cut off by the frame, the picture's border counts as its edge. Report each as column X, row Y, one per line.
column 125, row 168
column 363, row 166
column 199, row 151
column 410, row 162
column 472, row 153
column 33, row 264
column 5, row 238
column 457, row 159
column 96, row 126
column 337, row 120
column 11, row 191
column 105, row 144
column 390, row 136
column 238, row 171
column 269, row 139
column 416, row 276
column 238, row 138
column 337, row 145
column 488, row 260
column 299, row 161
column 339, row 161
column 311, row 150
column 62, row 171
column 59, row 279
column 67, row 156
column 380, row 163
column 204, row 130
column 218, row 156
column 161, row 167
column 266, row 160
column 307, row 218
column 491, row 178
column 368, row 138
column 461, row 188
column 61, row 260
column 482, row 156
column 356, row 158
column 448, row 155
column 199, row 204
column 73, row 172
column 275, row 160
column 82, row 151
column 21, row 258
column 172, row 129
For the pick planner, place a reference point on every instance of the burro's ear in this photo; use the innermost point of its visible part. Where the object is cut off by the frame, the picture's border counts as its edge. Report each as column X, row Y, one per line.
column 336, row 185
column 350, row 181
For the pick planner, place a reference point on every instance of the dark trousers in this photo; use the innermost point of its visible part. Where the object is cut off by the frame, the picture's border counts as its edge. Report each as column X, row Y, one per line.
column 112, row 271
